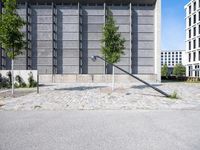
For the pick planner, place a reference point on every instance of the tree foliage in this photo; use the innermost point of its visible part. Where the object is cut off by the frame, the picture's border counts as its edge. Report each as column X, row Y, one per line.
column 164, row 71
column 11, row 36
column 112, row 42
column 179, row 70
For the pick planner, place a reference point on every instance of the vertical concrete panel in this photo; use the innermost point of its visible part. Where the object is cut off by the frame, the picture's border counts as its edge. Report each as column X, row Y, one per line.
column 143, row 40
column 93, row 21
column 42, row 39
column 20, row 61
column 68, row 39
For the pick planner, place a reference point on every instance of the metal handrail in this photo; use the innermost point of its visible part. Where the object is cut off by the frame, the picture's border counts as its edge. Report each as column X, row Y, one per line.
column 94, row 58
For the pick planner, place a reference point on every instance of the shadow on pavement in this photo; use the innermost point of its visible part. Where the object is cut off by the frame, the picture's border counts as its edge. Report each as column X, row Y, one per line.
column 144, row 86
column 80, row 88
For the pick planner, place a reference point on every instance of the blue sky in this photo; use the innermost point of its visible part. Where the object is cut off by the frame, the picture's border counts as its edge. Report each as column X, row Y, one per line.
column 173, row 24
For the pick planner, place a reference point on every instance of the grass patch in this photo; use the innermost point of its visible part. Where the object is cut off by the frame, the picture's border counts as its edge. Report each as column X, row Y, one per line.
column 174, row 95
column 37, row 107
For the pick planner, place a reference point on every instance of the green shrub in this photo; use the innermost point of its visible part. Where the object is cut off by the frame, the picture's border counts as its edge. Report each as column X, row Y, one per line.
column 20, row 81
column 4, row 82
column 31, row 81
column 164, row 71
column 179, row 70
column 193, row 80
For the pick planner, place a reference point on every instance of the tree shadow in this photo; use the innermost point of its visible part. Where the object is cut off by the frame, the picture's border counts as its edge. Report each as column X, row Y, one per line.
column 144, row 86
column 80, row 88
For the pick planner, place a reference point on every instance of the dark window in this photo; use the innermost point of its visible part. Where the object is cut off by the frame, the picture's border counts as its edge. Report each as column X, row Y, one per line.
column 189, row 33
column 194, row 44
column 199, row 29
column 189, row 21
column 195, row 4
column 189, row 45
column 190, row 10
column 194, row 19
column 194, row 31
column 199, row 42
column 189, row 57
column 199, row 55
column 190, row 70
column 194, row 56
column 199, row 15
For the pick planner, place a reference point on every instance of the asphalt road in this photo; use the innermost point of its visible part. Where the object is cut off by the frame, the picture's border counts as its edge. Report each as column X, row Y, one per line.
column 100, row 130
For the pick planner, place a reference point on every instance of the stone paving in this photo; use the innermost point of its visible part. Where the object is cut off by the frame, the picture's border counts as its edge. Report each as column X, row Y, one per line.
column 96, row 96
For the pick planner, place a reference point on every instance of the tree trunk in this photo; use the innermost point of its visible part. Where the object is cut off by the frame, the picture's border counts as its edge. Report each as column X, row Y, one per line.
column 13, row 78
column 113, row 77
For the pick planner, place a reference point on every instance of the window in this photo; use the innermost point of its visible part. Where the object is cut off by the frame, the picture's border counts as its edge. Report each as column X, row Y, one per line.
column 189, row 57
column 189, row 33
column 194, row 21
column 199, row 55
column 189, row 45
column 190, row 10
column 199, row 42
column 199, row 29
column 199, row 15
column 194, row 31
column 194, row 44
column 194, row 56
column 195, row 5
column 190, row 70
column 189, row 21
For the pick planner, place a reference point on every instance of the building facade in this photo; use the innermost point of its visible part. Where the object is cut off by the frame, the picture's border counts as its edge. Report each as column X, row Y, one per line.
column 171, row 58
column 193, row 38
column 62, row 35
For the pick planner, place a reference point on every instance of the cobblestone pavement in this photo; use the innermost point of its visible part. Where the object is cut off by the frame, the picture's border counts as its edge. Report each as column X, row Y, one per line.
column 95, row 96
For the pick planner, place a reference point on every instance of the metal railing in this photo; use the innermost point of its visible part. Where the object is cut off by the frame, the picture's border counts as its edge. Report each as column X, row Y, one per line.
column 94, row 58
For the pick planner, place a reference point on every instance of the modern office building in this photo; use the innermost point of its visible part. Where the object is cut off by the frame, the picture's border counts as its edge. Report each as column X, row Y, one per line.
column 193, row 37
column 62, row 35
column 171, row 58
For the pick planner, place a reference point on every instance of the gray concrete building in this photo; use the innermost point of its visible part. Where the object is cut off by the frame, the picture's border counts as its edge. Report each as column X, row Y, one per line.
column 62, row 35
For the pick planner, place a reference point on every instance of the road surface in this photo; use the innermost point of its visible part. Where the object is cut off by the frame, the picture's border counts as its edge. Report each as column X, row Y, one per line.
column 100, row 130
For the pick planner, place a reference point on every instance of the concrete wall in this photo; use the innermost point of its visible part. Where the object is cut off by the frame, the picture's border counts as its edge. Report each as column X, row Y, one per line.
column 94, row 78
column 68, row 39
column 93, row 21
column 143, row 52
column 42, row 48
column 78, row 36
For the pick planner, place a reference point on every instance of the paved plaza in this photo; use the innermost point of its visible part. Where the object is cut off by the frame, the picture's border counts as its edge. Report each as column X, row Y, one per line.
column 96, row 96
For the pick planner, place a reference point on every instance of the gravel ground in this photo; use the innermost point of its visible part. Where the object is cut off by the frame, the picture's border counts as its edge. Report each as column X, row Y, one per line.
column 95, row 96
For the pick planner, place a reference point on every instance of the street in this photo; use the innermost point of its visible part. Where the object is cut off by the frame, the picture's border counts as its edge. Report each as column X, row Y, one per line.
column 100, row 130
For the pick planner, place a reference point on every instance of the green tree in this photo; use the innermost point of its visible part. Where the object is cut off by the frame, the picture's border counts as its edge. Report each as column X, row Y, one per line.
column 179, row 70
column 112, row 43
column 164, row 71
column 11, row 36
